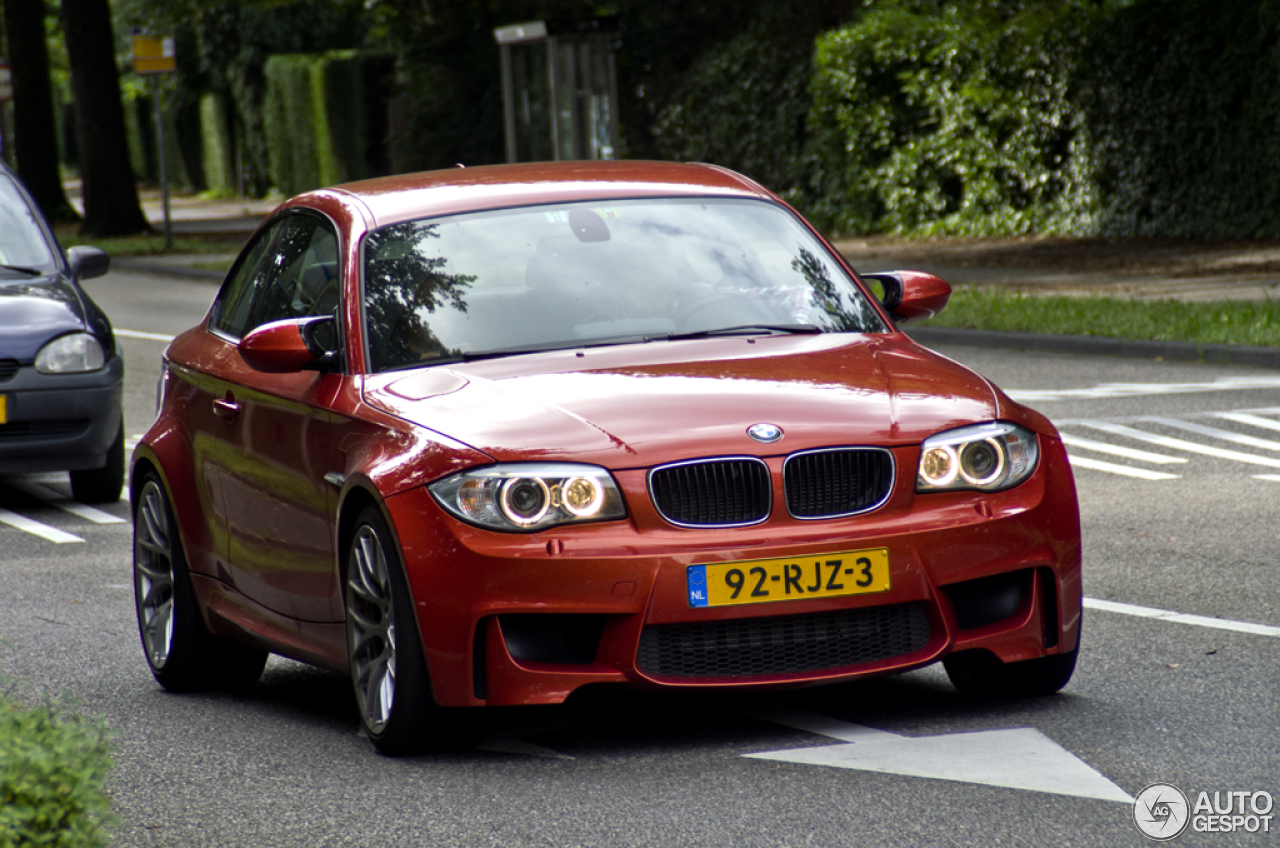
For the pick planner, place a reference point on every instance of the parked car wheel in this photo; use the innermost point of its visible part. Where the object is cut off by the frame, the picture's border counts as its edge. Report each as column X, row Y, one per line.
column 182, row 654
column 388, row 669
column 102, row 485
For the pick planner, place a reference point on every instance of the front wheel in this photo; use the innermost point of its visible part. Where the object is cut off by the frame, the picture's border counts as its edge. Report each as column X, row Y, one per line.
column 980, row 674
column 182, row 654
column 388, row 667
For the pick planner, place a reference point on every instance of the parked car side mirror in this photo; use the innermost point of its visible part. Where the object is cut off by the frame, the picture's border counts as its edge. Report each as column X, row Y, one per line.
column 910, row 295
column 85, row 262
column 291, row 345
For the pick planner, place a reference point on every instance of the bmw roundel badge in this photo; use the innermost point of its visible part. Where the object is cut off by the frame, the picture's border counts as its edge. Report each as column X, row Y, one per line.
column 766, row 433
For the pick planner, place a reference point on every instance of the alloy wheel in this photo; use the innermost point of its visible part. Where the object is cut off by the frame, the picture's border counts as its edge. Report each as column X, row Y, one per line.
column 371, row 628
column 153, row 574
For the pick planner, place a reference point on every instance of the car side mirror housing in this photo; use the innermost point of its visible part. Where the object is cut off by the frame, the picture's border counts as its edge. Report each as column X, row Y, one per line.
column 291, row 345
column 86, row 262
column 910, row 295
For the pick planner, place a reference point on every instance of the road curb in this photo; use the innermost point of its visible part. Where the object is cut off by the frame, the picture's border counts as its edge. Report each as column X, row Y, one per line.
column 1218, row 354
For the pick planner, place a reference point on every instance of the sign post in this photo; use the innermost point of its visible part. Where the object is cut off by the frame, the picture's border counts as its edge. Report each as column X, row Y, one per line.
column 153, row 55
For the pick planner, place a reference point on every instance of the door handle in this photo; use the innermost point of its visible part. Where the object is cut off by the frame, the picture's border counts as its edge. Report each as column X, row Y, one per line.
column 226, row 409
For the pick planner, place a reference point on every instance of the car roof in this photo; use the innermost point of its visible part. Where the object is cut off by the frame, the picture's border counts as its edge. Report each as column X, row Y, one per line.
column 431, row 193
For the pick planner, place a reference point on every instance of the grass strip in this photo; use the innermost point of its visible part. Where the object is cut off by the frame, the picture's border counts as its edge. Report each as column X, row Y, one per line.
column 1210, row 322
column 153, row 245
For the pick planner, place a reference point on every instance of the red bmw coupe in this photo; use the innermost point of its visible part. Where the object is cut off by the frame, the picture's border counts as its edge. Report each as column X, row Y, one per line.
column 488, row 435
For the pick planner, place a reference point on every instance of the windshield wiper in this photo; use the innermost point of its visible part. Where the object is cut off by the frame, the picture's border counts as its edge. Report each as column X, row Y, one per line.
column 35, row 272
column 498, row 353
column 747, row 330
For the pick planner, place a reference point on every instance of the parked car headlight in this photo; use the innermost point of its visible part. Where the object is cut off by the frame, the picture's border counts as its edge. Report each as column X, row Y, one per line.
column 987, row 457
column 71, row 354
column 525, row 497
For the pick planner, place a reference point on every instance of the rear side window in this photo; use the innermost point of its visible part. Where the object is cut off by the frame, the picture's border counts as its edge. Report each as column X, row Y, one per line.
column 291, row 271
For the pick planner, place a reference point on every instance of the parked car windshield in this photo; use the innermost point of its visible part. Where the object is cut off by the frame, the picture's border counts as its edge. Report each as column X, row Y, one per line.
column 546, row 277
column 22, row 243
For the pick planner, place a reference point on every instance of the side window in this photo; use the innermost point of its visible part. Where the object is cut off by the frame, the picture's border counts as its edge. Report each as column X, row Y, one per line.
column 234, row 309
column 293, row 276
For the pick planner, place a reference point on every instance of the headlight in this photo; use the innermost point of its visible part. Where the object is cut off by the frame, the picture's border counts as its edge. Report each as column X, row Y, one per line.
column 526, row 497
column 71, row 354
column 987, row 457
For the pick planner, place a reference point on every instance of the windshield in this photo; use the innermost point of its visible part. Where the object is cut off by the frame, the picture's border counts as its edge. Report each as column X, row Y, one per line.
column 22, row 243
column 547, row 277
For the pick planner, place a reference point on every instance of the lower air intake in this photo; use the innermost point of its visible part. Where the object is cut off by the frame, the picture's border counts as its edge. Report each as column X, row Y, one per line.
column 783, row 644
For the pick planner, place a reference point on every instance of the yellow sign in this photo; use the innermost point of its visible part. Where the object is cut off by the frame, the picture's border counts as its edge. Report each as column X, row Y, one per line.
column 152, row 55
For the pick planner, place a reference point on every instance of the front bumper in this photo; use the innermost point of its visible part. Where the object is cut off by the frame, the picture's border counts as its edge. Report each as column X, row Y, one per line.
column 526, row 619
column 60, row 422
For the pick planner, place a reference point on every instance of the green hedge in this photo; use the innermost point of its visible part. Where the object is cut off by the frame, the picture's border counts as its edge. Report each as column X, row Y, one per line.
column 317, row 117
column 217, row 145
column 951, row 120
column 743, row 105
column 1183, row 105
column 980, row 117
column 140, row 132
column 52, row 767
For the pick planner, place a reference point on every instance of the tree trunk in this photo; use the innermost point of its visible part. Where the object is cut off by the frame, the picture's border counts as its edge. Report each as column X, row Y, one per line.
column 111, row 204
column 35, row 144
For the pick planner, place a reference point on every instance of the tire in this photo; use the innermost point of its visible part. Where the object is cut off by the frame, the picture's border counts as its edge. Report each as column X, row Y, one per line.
column 102, row 485
column 388, row 667
column 182, row 654
column 979, row 674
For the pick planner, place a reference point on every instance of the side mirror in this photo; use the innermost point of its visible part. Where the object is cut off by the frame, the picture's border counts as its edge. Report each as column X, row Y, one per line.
column 88, row 262
column 910, row 295
column 291, row 345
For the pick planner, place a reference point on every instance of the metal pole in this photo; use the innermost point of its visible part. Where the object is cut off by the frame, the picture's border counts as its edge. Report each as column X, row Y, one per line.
column 164, row 176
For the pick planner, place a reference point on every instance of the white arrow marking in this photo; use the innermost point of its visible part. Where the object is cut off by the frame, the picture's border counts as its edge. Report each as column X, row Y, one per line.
column 1021, row 758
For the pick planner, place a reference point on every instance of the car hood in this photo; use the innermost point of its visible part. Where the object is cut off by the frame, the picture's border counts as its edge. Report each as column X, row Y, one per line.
column 35, row 310
column 644, row 405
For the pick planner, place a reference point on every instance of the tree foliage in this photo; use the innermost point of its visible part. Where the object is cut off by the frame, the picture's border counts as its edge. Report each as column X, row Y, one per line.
column 952, row 118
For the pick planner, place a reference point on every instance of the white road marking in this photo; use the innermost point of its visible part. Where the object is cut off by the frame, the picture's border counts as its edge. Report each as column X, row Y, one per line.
column 74, row 507
column 1019, row 758
column 1218, row 433
column 1117, row 390
column 135, row 334
column 1250, row 419
column 44, row 531
column 1181, row 444
column 1124, row 470
column 1274, row 478
column 1117, row 450
column 1183, row 618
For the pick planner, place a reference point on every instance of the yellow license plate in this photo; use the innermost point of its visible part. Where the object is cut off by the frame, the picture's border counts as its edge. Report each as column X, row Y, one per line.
column 761, row 581
column 4, row 409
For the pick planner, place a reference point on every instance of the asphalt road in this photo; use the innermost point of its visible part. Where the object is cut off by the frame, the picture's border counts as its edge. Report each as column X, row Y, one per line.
column 1187, row 700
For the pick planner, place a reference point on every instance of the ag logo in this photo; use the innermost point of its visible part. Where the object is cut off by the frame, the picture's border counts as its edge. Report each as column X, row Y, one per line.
column 1161, row 811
